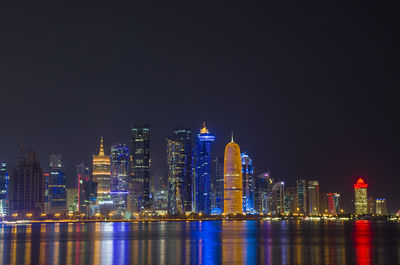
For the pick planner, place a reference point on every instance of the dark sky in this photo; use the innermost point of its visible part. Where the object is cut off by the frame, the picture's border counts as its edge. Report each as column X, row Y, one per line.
column 309, row 91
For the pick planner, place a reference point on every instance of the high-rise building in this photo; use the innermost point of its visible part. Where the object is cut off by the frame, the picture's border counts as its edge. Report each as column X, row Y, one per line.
column 278, row 198
column 301, row 196
column 56, row 184
column 119, row 177
column 263, row 193
column 160, row 201
column 72, row 199
column 101, row 174
column 3, row 188
column 176, row 164
column 140, row 140
column 202, row 176
column 184, row 135
column 217, row 186
column 27, row 186
column 381, row 207
column 360, row 194
column 87, row 189
column 371, row 205
column 248, row 183
column 233, row 180
column 290, row 200
column 313, row 197
column 333, row 206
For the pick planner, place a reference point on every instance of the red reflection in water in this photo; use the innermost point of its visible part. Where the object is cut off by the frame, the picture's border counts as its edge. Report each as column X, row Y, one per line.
column 362, row 242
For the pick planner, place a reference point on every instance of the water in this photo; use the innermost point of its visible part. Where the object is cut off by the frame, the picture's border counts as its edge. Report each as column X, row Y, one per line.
column 207, row 242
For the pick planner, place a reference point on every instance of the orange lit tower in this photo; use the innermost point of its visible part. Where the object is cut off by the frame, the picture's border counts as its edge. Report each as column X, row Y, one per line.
column 233, row 179
column 101, row 172
column 360, row 194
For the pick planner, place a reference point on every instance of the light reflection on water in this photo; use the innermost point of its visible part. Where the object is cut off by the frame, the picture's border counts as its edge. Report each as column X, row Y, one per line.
column 206, row 242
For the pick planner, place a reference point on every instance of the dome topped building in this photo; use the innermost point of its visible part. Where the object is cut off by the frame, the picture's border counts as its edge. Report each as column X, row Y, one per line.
column 233, row 179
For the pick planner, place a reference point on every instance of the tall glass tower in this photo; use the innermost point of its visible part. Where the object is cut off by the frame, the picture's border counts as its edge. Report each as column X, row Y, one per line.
column 3, row 188
column 57, row 196
column 202, row 164
column 248, row 183
column 301, row 196
column 184, row 135
column 119, row 176
column 313, row 197
column 176, row 165
column 140, row 140
column 233, row 181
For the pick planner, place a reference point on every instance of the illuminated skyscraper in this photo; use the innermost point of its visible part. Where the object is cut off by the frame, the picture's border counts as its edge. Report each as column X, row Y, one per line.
column 360, row 194
column 184, row 135
column 3, row 188
column 333, row 206
column 233, row 180
column 101, row 173
column 248, row 183
column 87, row 189
column 263, row 193
column 202, row 164
column 301, row 196
column 57, row 196
column 119, row 176
column 381, row 207
column 290, row 200
column 313, row 197
column 176, row 164
column 27, row 186
column 278, row 198
column 140, row 140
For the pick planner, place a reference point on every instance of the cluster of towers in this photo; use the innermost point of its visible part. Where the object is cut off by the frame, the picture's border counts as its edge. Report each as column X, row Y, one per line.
column 198, row 181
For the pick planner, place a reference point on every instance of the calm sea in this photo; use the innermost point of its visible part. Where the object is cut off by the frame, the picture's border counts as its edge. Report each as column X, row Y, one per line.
column 207, row 242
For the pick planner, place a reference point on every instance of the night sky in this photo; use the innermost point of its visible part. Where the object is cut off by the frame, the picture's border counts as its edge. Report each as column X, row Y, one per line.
column 307, row 90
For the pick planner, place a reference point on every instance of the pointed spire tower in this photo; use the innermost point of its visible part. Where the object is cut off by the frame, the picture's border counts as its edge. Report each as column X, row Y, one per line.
column 101, row 172
column 233, row 179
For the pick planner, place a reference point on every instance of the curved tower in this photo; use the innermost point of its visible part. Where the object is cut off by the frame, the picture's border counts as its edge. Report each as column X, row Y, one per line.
column 101, row 172
column 233, row 203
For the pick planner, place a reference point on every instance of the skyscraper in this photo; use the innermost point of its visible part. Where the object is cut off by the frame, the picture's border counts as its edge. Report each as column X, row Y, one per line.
column 202, row 164
column 3, row 188
column 301, row 196
column 360, row 194
column 278, row 198
column 87, row 189
column 101, row 173
column 184, row 135
column 218, row 185
column 57, row 196
column 333, row 206
column 381, row 207
column 290, row 200
column 140, row 140
column 371, row 205
column 233, row 181
column 27, row 186
column 263, row 192
column 176, row 164
column 119, row 176
column 313, row 197
column 248, row 183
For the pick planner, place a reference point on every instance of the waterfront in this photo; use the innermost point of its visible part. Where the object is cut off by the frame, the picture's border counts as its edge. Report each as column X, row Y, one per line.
column 201, row 242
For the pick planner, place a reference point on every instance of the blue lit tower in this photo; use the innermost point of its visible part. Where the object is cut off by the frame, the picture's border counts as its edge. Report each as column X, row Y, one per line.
column 202, row 164
column 119, row 176
column 57, row 195
column 184, row 135
column 248, row 183
column 140, row 140
column 3, row 188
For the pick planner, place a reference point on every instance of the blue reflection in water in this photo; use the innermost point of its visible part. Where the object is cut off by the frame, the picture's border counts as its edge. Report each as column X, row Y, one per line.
column 207, row 242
